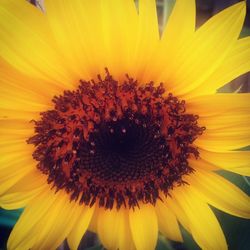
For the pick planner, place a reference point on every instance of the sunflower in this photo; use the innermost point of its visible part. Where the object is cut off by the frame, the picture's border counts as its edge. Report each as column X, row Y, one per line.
column 107, row 126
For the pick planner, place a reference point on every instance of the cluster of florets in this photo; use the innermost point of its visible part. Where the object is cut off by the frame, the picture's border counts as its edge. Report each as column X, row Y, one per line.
column 115, row 143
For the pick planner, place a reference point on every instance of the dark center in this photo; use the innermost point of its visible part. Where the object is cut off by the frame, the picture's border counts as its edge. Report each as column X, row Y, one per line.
column 115, row 143
column 126, row 150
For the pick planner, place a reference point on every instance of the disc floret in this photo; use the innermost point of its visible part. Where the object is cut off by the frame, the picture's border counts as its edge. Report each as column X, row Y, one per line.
column 115, row 143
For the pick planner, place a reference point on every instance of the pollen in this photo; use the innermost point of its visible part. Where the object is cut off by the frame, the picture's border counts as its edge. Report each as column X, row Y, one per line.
column 115, row 143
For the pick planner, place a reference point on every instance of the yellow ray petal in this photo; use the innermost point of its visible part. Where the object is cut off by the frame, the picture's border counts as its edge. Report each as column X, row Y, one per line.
column 24, row 190
column 234, row 161
column 33, row 36
column 45, row 223
column 148, row 18
column 19, row 86
column 15, row 162
column 17, row 113
column 148, row 38
column 67, row 20
column 218, row 104
column 235, row 64
column 59, row 221
column 220, row 193
column 7, row 160
column 10, row 176
column 14, row 146
column 241, row 123
column 180, row 26
column 81, row 227
column 226, row 120
column 89, row 52
column 22, row 89
column 144, row 227
column 203, row 224
column 22, row 235
column 22, row 127
column 120, row 52
column 94, row 221
column 200, row 163
column 179, row 30
column 208, row 49
column 167, row 221
column 18, row 159
column 23, row 103
column 177, row 210
column 227, row 115
column 229, row 139
column 18, row 136
column 113, row 229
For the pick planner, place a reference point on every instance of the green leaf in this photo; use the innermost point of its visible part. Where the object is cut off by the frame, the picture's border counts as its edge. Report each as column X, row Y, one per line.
column 163, row 244
column 8, row 218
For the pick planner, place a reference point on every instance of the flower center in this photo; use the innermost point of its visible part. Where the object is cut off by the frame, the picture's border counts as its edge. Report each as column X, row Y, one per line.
column 115, row 143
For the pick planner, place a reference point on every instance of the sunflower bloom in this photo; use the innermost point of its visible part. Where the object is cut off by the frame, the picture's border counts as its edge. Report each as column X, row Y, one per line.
column 106, row 126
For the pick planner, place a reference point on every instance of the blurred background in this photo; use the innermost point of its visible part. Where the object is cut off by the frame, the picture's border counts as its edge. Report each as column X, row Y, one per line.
column 237, row 231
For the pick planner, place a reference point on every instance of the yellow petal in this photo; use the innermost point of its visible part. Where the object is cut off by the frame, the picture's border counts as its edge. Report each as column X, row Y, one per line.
column 217, row 104
column 203, row 224
column 181, row 24
column 67, row 20
column 15, row 130
column 225, row 116
column 209, row 47
column 148, row 18
column 144, row 227
column 167, row 221
column 12, row 159
column 226, row 135
column 148, row 39
column 16, row 27
column 57, row 224
column 23, row 89
column 17, row 113
column 179, row 30
column 91, row 45
column 200, row 163
column 113, row 229
column 12, row 172
column 15, row 159
column 226, row 120
column 235, row 64
column 45, row 222
column 15, row 146
column 12, row 177
column 22, row 92
column 94, row 221
column 220, row 193
column 23, row 190
column 229, row 139
column 234, row 161
column 120, row 51
column 81, row 227
column 22, row 103
column 22, row 235
column 177, row 210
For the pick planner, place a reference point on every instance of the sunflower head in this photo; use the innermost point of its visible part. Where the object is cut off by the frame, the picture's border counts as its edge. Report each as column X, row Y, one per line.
column 111, row 142
column 107, row 126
